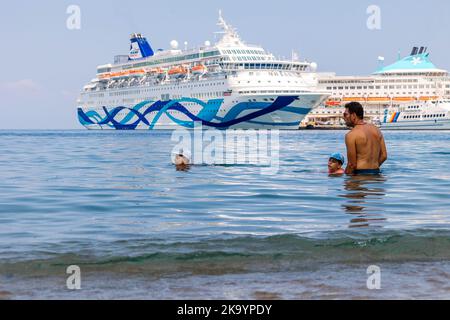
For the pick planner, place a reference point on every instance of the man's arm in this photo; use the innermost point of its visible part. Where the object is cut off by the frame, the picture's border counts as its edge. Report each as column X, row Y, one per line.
column 350, row 142
column 383, row 151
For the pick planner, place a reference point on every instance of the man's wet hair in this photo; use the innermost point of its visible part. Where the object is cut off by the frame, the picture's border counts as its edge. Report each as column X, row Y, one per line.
column 356, row 108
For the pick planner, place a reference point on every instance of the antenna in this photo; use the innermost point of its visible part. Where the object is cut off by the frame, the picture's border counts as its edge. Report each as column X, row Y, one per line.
column 230, row 36
column 381, row 61
column 222, row 22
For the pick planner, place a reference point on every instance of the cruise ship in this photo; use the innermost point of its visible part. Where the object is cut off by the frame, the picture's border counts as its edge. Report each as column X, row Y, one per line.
column 228, row 85
column 411, row 83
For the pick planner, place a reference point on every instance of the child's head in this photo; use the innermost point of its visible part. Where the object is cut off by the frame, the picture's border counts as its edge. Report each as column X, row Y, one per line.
column 335, row 162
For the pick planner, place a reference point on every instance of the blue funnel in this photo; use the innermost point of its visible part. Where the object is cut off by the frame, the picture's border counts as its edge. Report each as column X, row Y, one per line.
column 139, row 48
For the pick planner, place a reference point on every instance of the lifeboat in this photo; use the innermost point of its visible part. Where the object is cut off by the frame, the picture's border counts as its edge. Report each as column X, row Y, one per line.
column 378, row 99
column 403, row 99
column 124, row 74
column 199, row 69
column 104, row 76
column 426, row 98
column 120, row 74
column 178, row 71
column 347, row 99
column 159, row 72
column 137, row 72
column 332, row 103
column 115, row 75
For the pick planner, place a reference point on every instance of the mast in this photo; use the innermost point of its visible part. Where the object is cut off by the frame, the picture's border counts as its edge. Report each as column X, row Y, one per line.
column 230, row 36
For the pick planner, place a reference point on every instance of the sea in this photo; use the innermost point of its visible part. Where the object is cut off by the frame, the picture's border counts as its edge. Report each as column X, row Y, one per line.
column 106, row 215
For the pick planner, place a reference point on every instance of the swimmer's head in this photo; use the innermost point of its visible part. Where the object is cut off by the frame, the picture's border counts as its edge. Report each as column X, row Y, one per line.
column 181, row 160
column 335, row 162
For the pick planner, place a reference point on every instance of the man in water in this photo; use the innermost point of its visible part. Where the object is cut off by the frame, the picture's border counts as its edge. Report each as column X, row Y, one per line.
column 366, row 149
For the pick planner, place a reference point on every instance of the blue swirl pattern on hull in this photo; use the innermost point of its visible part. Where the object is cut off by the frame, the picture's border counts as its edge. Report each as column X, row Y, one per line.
column 207, row 114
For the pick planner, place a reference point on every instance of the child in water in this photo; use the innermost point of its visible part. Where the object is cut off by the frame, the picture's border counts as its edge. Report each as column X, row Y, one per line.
column 335, row 163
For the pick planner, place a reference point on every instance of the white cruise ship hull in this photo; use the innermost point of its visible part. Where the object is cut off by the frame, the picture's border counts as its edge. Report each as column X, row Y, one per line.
column 418, row 125
column 283, row 112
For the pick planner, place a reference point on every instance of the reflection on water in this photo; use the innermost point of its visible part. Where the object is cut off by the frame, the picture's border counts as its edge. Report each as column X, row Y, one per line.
column 183, row 167
column 363, row 191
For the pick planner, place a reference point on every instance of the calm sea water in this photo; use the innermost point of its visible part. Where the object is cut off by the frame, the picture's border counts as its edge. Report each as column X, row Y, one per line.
column 113, row 204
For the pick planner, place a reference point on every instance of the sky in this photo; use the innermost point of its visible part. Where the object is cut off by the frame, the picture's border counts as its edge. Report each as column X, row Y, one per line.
column 44, row 64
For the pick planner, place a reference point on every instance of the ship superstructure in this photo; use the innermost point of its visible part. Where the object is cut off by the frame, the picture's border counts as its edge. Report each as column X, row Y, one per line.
column 413, row 80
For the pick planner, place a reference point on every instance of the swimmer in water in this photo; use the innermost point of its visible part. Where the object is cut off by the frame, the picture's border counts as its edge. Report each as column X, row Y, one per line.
column 181, row 161
column 335, row 163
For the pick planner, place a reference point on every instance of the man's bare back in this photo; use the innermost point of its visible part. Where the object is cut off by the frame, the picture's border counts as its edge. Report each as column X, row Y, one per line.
column 366, row 148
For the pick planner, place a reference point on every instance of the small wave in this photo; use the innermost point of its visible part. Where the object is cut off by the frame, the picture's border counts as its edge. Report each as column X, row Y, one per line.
column 247, row 254
column 444, row 153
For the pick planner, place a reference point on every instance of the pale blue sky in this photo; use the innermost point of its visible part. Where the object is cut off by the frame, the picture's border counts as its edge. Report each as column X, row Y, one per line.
column 44, row 65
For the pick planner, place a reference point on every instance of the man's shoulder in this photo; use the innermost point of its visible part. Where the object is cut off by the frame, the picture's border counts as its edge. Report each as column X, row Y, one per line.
column 376, row 129
column 352, row 133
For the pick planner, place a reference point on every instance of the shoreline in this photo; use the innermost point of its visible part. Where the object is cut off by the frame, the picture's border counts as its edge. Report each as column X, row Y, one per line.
column 333, row 281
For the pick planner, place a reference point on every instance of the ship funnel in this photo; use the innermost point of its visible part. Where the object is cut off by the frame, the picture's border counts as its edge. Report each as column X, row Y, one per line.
column 421, row 50
column 414, row 51
column 139, row 48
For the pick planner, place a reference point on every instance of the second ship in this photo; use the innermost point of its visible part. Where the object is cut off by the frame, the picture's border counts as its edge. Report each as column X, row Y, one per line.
column 410, row 94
